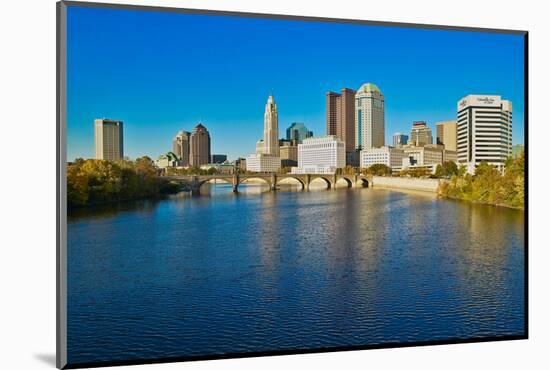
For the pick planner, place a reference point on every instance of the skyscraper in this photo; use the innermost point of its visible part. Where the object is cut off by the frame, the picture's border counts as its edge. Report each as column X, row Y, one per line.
column 341, row 116
column 267, row 157
column 399, row 139
column 199, row 148
column 271, row 128
column 180, row 147
column 446, row 134
column 421, row 134
column 297, row 132
column 484, row 130
column 109, row 144
column 369, row 117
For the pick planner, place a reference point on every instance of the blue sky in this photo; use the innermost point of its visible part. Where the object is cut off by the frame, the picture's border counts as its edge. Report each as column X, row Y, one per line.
column 163, row 72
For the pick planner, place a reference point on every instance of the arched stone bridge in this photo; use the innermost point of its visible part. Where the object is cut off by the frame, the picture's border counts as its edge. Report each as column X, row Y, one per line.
column 272, row 179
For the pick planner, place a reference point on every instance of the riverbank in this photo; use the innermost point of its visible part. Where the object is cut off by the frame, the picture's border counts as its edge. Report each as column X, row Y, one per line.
column 502, row 205
column 406, row 183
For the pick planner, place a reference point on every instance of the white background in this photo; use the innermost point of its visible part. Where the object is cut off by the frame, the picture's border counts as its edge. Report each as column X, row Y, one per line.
column 27, row 186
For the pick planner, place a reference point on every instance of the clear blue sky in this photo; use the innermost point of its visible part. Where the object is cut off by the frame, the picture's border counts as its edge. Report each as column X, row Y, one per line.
column 163, row 72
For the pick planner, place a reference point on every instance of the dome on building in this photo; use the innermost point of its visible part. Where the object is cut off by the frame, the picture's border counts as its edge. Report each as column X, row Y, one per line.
column 369, row 87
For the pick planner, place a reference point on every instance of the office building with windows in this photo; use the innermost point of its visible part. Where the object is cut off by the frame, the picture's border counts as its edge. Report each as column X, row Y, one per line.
column 340, row 109
column 399, row 139
column 421, row 134
column 180, row 147
column 484, row 130
column 446, row 134
column 297, row 132
column 263, row 163
column 218, row 158
column 369, row 117
column 422, row 155
column 387, row 155
column 321, row 155
column 199, row 147
column 288, row 151
column 108, row 137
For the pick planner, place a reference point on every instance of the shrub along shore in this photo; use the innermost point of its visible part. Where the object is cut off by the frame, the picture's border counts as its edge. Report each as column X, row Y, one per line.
column 92, row 182
column 490, row 186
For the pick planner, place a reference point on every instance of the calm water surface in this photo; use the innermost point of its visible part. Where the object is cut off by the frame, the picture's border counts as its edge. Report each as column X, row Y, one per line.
column 261, row 271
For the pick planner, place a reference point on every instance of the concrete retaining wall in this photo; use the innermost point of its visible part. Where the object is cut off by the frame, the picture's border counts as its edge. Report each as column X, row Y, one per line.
column 430, row 185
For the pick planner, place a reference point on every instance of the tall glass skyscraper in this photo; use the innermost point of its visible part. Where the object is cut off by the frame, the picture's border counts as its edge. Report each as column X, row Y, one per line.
column 297, row 132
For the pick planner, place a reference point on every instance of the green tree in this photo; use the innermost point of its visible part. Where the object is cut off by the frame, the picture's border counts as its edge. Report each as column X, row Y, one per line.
column 379, row 169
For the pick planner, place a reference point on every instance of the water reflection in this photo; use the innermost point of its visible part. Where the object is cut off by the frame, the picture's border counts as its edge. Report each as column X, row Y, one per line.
column 262, row 270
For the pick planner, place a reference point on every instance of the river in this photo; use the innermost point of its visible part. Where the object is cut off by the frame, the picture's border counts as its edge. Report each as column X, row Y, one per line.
column 260, row 271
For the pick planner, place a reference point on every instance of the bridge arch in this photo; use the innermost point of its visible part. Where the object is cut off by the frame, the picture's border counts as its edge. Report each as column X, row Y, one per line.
column 347, row 180
column 327, row 180
column 222, row 179
column 363, row 182
column 302, row 183
column 245, row 180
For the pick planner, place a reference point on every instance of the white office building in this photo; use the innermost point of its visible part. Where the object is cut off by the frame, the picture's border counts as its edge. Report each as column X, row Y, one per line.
column 390, row 156
column 484, row 130
column 422, row 155
column 321, row 155
column 369, row 117
column 263, row 163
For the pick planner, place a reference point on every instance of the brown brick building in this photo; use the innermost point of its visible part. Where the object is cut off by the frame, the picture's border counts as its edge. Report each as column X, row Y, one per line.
column 341, row 116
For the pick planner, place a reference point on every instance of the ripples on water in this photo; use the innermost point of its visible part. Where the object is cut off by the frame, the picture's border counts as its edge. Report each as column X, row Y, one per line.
column 260, row 271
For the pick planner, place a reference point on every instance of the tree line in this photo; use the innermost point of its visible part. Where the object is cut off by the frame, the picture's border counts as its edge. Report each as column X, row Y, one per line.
column 93, row 181
column 488, row 185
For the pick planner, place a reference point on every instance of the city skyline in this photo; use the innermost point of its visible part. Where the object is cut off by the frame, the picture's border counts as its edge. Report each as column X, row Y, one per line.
column 154, row 107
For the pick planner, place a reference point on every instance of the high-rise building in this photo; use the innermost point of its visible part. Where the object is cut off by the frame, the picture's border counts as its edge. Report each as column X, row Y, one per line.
column 199, row 148
column 271, row 128
column 180, row 147
column 218, row 158
column 266, row 157
column 321, row 155
column 446, row 134
column 341, row 116
column 109, row 143
column 399, row 139
column 297, row 132
column 369, row 117
column 484, row 130
column 421, row 134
